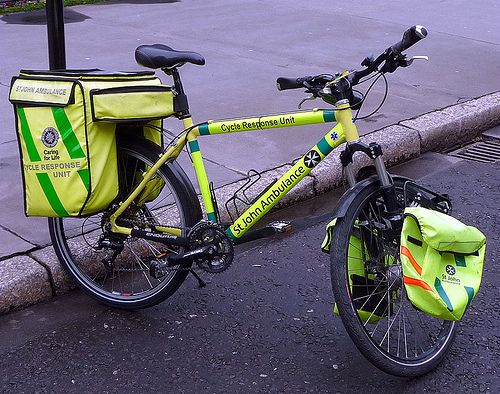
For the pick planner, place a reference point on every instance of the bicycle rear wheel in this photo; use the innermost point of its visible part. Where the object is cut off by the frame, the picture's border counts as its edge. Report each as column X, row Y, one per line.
column 367, row 282
column 126, row 282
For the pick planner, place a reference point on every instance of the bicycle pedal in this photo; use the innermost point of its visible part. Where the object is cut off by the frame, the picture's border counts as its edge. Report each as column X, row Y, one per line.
column 264, row 232
column 280, row 226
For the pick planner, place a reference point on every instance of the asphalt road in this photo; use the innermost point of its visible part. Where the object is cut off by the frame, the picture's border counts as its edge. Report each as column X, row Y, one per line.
column 266, row 325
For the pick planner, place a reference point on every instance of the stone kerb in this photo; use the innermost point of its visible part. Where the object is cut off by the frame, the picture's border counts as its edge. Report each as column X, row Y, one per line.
column 456, row 124
column 23, row 282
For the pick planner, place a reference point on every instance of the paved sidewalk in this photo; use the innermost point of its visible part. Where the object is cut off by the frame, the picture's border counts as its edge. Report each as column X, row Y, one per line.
column 247, row 45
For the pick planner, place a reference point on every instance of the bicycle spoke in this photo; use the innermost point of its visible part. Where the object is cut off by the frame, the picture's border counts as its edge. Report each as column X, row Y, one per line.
column 373, row 312
column 388, row 321
column 140, row 260
column 404, row 331
column 389, row 326
column 369, row 295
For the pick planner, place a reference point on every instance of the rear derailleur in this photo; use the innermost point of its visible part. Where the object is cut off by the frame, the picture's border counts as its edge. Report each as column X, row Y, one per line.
column 116, row 244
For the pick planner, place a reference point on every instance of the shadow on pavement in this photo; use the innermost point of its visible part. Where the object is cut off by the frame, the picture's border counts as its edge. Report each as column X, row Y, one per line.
column 142, row 1
column 38, row 17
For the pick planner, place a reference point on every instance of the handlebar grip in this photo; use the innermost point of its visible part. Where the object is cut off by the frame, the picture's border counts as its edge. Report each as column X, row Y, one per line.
column 410, row 37
column 284, row 83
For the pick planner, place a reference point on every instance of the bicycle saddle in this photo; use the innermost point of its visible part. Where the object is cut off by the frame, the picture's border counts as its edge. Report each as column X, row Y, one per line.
column 162, row 56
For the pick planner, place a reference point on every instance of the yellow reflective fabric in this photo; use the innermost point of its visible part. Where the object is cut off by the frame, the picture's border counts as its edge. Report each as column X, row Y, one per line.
column 32, row 90
column 442, row 262
column 356, row 273
column 127, row 103
column 55, row 164
column 69, row 161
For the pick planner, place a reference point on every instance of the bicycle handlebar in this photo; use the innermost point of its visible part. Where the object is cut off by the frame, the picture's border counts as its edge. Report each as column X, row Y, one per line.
column 284, row 83
column 392, row 56
column 410, row 37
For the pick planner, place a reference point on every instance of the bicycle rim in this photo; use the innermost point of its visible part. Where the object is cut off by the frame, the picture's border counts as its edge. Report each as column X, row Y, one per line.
column 126, row 282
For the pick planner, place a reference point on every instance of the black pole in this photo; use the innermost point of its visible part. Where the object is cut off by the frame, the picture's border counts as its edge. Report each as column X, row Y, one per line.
column 55, row 34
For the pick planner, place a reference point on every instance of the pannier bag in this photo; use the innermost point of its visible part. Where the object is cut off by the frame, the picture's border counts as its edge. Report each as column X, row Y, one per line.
column 370, row 306
column 442, row 261
column 66, row 125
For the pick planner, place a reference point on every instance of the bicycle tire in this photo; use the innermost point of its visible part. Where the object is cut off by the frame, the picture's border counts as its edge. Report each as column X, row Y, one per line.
column 131, row 286
column 365, row 303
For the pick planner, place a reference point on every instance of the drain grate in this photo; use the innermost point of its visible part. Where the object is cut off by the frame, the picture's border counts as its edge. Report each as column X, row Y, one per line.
column 484, row 152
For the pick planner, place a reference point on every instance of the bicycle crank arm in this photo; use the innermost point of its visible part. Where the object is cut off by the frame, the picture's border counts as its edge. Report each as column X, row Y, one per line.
column 167, row 239
column 160, row 268
column 188, row 257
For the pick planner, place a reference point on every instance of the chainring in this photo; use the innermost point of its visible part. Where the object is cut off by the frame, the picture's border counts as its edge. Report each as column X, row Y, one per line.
column 206, row 233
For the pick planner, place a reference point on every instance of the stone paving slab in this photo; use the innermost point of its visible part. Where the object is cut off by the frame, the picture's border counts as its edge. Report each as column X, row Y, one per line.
column 12, row 244
column 492, row 134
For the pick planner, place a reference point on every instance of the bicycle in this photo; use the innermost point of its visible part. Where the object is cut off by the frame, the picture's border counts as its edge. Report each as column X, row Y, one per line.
column 139, row 250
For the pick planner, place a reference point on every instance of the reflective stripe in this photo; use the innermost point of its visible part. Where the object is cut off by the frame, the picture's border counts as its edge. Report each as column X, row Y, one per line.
column 194, row 146
column 442, row 294
column 28, row 138
column 50, row 193
column 329, row 115
column 406, row 252
column 416, row 282
column 67, row 134
column 460, row 261
column 470, row 295
column 203, row 129
column 85, row 177
column 324, row 147
column 212, row 217
column 230, row 234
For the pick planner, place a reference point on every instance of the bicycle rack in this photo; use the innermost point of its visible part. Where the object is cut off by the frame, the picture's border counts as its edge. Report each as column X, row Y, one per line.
column 241, row 196
column 416, row 195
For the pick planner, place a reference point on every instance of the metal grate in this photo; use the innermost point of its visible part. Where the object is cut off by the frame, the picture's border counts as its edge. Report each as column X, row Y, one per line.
column 484, row 152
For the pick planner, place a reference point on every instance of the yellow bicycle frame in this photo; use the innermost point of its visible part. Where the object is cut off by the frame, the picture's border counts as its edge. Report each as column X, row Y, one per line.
column 344, row 131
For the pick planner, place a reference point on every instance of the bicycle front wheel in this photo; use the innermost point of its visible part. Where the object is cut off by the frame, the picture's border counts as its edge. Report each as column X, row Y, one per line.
column 367, row 282
column 126, row 281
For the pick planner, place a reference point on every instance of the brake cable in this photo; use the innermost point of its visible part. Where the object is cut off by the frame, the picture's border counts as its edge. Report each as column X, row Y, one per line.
column 366, row 94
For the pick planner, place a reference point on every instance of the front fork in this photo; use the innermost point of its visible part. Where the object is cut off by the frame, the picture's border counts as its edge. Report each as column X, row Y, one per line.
column 374, row 152
column 393, row 214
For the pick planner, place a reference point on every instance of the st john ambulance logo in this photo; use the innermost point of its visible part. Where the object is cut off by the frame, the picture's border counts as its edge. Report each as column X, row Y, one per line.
column 312, row 159
column 50, row 137
column 450, row 270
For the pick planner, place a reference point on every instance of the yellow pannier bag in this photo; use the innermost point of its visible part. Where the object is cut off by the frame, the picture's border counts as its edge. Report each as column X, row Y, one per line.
column 131, row 103
column 67, row 138
column 442, row 261
column 369, row 305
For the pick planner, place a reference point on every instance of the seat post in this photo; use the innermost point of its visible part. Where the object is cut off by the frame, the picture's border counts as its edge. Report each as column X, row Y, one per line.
column 181, row 106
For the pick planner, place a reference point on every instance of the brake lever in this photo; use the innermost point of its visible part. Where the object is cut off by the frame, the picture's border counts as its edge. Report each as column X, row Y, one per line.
column 409, row 61
column 311, row 97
